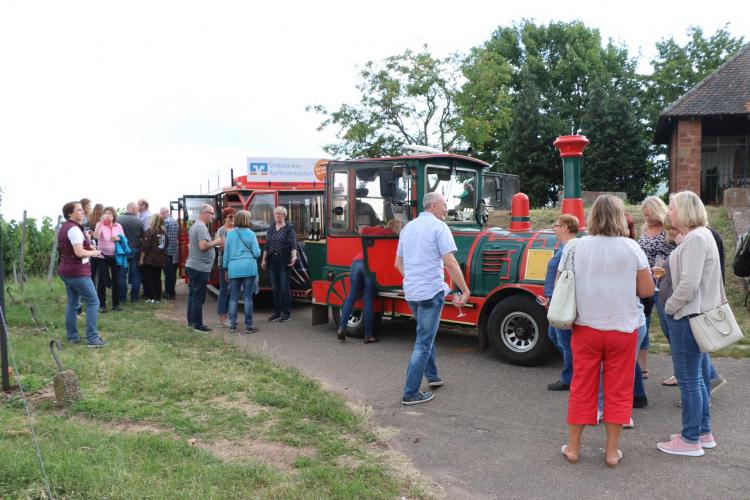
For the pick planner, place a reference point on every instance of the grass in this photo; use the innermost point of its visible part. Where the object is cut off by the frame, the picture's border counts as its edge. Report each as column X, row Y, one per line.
column 719, row 220
column 172, row 413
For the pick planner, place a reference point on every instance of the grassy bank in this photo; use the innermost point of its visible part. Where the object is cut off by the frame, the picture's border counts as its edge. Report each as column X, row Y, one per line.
column 172, row 413
column 735, row 292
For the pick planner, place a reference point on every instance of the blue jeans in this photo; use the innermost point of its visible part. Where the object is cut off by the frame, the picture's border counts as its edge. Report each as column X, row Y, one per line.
column 197, row 283
column 361, row 284
column 278, row 271
column 248, row 287
column 131, row 275
column 77, row 289
column 422, row 362
column 692, row 369
column 223, row 298
column 561, row 340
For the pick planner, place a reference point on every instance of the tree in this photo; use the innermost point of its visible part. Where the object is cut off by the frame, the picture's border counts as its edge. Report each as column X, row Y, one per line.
column 528, row 149
column 617, row 159
column 405, row 99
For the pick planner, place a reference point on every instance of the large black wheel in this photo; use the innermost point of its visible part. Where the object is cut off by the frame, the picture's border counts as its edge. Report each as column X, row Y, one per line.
column 517, row 331
column 356, row 327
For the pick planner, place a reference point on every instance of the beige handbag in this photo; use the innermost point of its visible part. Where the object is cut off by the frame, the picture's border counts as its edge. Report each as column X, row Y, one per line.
column 562, row 306
column 717, row 328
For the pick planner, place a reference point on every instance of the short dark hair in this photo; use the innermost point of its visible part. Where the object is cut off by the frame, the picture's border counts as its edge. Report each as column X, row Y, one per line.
column 114, row 213
column 69, row 208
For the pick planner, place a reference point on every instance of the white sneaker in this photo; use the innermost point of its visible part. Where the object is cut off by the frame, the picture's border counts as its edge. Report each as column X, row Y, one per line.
column 629, row 425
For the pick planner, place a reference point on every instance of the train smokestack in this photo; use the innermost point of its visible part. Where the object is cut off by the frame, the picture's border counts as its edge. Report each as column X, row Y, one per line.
column 571, row 151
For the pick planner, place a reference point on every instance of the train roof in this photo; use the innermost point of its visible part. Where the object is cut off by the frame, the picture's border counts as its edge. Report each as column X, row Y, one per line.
column 427, row 156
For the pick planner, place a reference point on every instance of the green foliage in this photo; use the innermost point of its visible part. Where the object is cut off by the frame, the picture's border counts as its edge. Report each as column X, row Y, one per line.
column 39, row 242
column 405, row 99
column 528, row 149
column 526, row 85
column 617, row 158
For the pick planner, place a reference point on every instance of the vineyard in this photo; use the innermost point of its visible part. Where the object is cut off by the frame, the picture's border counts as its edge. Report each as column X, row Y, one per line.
column 39, row 239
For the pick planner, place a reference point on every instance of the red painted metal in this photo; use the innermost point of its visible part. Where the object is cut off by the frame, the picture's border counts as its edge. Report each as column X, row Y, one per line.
column 571, row 145
column 519, row 213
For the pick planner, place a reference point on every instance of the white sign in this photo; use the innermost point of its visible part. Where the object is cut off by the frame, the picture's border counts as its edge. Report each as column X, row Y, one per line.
column 286, row 169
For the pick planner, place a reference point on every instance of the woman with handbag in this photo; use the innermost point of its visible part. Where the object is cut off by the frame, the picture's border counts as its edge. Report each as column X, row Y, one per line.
column 239, row 262
column 696, row 288
column 609, row 271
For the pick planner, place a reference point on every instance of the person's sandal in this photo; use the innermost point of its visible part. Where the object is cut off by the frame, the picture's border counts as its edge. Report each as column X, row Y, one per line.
column 644, row 374
column 370, row 340
column 341, row 335
column 564, row 450
column 670, row 381
column 612, row 465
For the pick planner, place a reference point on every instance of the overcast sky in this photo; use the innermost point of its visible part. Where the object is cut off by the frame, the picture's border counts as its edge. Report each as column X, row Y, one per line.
column 116, row 101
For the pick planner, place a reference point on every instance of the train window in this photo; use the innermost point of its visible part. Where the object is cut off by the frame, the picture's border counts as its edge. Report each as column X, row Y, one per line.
column 261, row 211
column 304, row 211
column 458, row 187
column 339, row 201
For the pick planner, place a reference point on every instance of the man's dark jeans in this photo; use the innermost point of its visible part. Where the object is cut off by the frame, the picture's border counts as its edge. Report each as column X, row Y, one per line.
column 131, row 275
column 197, row 284
column 170, row 278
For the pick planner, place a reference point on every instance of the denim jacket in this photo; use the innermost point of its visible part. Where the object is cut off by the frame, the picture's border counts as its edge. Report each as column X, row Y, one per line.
column 549, row 279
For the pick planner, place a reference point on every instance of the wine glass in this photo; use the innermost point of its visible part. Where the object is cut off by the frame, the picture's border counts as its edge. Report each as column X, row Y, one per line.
column 659, row 269
column 461, row 312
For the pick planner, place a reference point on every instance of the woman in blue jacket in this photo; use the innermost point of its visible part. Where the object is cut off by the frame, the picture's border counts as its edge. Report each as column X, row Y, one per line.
column 241, row 252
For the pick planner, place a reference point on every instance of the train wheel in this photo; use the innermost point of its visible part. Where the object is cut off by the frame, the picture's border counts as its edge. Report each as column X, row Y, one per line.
column 517, row 331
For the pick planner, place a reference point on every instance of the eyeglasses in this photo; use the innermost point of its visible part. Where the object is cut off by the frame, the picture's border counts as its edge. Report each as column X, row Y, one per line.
column 230, row 216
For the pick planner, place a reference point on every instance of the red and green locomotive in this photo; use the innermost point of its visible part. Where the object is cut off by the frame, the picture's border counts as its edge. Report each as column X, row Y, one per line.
column 504, row 267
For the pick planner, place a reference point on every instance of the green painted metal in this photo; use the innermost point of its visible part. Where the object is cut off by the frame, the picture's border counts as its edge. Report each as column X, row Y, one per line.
column 572, row 177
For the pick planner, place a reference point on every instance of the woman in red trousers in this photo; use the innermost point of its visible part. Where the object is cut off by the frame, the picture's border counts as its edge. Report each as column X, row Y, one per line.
column 609, row 271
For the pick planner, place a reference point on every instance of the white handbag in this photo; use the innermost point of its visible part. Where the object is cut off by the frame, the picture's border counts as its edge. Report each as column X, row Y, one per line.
column 562, row 306
column 717, row 328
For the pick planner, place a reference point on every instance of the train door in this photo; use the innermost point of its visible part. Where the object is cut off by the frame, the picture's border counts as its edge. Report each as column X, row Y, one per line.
column 188, row 208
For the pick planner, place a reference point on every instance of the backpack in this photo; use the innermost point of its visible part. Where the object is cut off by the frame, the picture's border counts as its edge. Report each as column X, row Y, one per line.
column 741, row 263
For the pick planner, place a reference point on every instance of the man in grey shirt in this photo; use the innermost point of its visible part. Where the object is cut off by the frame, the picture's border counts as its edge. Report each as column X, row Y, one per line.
column 200, row 261
column 133, row 229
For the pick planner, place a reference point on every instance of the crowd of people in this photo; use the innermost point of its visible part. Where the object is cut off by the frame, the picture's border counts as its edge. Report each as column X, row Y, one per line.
column 675, row 266
column 238, row 252
column 100, row 250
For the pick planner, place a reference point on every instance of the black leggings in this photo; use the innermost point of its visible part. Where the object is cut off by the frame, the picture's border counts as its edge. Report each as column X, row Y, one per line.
column 108, row 277
column 151, row 282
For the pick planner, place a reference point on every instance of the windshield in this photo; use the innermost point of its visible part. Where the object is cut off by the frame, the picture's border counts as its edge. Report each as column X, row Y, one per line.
column 458, row 187
column 261, row 211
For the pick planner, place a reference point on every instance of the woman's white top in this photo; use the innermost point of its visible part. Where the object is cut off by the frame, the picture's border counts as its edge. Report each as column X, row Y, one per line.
column 605, row 271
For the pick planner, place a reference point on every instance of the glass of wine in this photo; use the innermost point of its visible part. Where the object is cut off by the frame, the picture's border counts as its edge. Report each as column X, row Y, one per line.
column 659, row 269
column 461, row 312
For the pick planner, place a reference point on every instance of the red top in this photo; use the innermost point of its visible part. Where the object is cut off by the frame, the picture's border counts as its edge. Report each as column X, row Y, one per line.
column 372, row 231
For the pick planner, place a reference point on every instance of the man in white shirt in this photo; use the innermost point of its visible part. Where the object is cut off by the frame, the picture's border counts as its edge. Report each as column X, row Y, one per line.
column 425, row 250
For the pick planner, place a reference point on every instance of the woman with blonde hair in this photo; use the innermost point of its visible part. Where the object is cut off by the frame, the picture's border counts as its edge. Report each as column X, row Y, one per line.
column 153, row 258
column 610, row 270
column 696, row 288
column 657, row 245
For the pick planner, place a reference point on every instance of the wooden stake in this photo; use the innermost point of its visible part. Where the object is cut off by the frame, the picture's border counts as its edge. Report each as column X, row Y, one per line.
column 23, row 251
